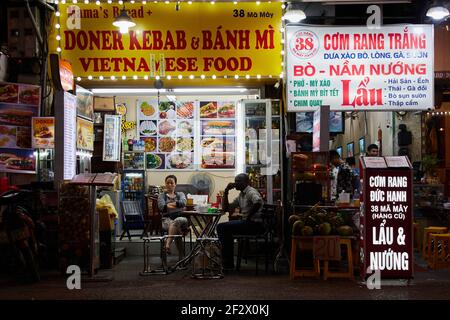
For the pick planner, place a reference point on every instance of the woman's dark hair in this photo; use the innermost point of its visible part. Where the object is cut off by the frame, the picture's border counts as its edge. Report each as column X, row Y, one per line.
column 171, row 177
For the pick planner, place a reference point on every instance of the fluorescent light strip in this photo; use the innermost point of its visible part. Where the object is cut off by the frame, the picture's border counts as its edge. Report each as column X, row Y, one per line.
column 125, row 90
column 200, row 90
column 180, row 90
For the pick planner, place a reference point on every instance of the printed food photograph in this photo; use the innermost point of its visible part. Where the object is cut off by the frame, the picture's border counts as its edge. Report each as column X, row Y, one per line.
column 167, row 110
column 147, row 109
column 166, row 127
column 29, row 94
column 185, row 144
column 185, row 110
column 180, row 161
column 43, row 131
column 166, row 144
column 85, row 103
column 85, row 134
column 217, row 160
column 147, row 128
column 9, row 93
column 208, row 109
column 16, row 117
column 218, row 127
column 155, row 161
column 17, row 160
column 24, row 137
column 218, row 143
column 227, row 110
column 185, row 128
column 150, row 144
column 8, row 137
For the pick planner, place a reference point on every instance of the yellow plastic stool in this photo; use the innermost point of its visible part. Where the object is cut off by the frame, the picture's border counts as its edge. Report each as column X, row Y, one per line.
column 339, row 274
column 438, row 259
column 426, row 238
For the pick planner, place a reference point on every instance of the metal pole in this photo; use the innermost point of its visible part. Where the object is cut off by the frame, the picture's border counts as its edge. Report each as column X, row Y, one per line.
column 92, row 240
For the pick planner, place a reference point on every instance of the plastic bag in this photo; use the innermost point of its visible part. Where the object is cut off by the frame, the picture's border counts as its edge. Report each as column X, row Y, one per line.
column 107, row 212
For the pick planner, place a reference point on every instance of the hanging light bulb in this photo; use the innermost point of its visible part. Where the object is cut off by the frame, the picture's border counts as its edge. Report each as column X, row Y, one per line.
column 437, row 11
column 123, row 21
column 293, row 15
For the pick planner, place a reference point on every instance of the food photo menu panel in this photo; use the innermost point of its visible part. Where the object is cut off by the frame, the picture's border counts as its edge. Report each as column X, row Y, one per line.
column 171, row 131
column 168, row 130
column 218, row 135
column 18, row 104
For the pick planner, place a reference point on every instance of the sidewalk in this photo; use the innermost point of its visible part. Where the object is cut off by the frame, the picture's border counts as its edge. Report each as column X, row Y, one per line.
column 128, row 284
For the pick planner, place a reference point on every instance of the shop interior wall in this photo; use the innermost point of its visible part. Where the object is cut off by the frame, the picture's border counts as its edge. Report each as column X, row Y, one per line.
column 220, row 178
column 365, row 124
column 413, row 122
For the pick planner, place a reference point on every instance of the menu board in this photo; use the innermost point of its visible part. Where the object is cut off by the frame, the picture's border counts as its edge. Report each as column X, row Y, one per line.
column 397, row 162
column 85, row 134
column 85, row 103
column 70, row 133
column 18, row 104
column 171, row 130
column 112, row 138
column 218, row 135
column 43, row 133
column 168, row 131
column 374, row 162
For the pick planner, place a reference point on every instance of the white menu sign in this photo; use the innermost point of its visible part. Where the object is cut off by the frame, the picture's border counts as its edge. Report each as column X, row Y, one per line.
column 354, row 68
column 112, row 138
column 70, row 125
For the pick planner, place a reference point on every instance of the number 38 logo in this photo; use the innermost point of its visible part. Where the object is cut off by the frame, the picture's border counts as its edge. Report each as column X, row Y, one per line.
column 304, row 44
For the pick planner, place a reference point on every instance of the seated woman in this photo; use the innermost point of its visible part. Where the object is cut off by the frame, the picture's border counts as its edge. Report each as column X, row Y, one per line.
column 170, row 204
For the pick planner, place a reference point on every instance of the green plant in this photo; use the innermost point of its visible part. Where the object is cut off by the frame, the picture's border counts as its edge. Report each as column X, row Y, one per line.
column 429, row 163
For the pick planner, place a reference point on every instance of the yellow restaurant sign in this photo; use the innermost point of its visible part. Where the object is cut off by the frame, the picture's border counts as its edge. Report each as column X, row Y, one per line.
column 198, row 40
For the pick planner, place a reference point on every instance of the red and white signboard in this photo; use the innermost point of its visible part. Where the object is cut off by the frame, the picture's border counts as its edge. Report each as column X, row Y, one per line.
column 355, row 68
column 386, row 220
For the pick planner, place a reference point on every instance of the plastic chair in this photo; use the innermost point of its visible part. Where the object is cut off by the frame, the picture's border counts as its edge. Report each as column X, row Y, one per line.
column 426, row 248
column 133, row 218
column 152, row 218
column 269, row 215
column 440, row 257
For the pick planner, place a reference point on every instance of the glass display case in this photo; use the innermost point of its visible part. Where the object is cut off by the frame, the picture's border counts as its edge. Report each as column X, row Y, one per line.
column 133, row 160
column 262, row 123
column 310, row 177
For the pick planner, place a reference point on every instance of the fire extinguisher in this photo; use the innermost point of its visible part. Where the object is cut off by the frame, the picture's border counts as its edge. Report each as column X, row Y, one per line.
column 380, row 141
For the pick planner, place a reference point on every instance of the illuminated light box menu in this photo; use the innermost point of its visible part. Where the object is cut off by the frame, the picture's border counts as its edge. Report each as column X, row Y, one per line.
column 386, row 220
column 70, row 125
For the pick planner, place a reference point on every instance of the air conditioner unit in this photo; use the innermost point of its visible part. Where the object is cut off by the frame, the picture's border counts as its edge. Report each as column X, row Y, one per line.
column 22, row 40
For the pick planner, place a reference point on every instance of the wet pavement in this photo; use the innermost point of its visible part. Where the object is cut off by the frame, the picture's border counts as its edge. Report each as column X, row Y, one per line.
column 128, row 284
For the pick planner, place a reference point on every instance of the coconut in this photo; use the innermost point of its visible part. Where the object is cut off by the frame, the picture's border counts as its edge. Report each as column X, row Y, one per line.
column 325, row 228
column 307, row 231
column 345, row 231
column 293, row 218
column 297, row 228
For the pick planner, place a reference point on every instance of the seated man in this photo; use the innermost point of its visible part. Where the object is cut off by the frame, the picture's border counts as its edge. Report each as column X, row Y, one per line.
column 250, row 204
